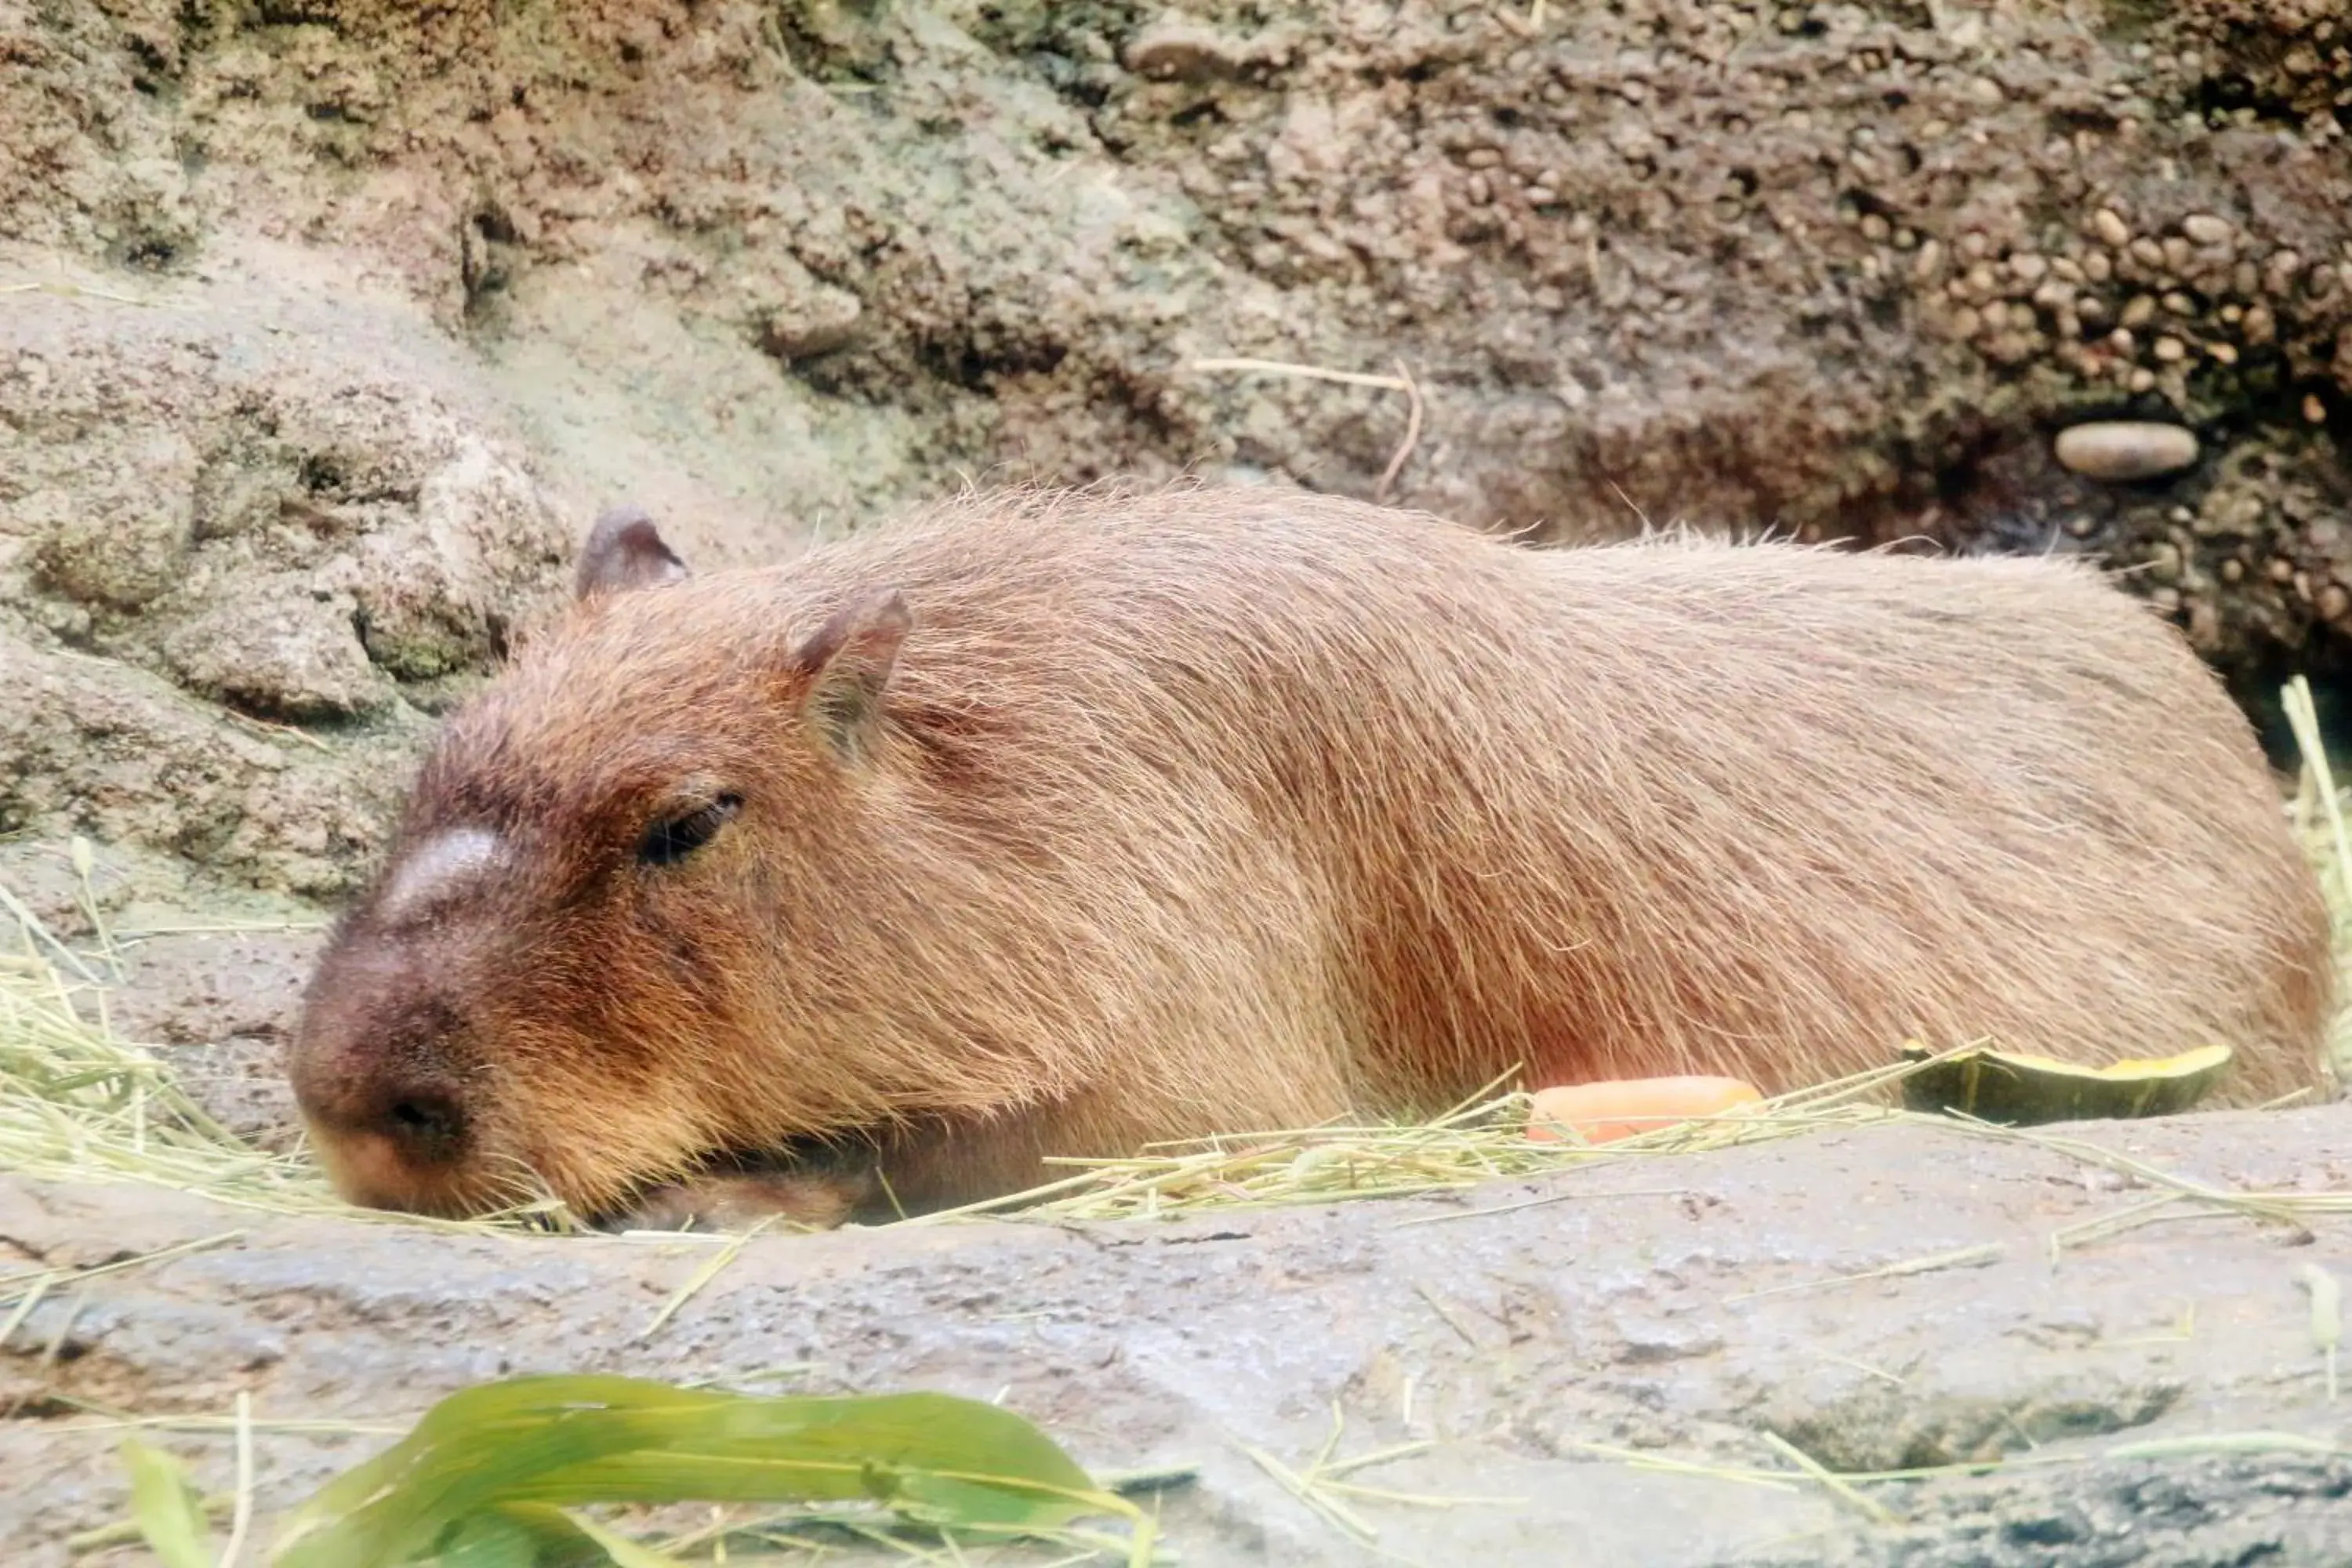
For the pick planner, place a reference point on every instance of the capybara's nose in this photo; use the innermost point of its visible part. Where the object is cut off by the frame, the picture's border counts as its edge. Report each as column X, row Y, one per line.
column 426, row 1125
column 420, row 1124
column 396, row 1142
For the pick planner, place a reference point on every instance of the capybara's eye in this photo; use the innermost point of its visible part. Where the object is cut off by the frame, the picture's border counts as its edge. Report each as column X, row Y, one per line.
column 676, row 838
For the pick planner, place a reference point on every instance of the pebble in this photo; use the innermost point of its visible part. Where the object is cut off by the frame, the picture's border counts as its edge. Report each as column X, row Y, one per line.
column 2111, row 229
column 2170, row 349
column 2204, row 228
column 2123, row 449
column 2314, row 411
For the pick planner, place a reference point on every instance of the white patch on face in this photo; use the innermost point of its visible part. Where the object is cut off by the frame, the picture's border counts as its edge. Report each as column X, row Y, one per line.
column 441, row 867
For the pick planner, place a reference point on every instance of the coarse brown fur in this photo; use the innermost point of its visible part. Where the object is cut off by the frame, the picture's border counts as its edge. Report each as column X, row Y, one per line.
column 1210, row 810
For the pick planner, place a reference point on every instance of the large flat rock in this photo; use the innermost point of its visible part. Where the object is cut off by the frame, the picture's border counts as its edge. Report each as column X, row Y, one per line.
column 1641, row 1304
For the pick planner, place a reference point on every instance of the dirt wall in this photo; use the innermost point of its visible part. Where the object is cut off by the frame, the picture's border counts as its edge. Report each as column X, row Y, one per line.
column 417, row 287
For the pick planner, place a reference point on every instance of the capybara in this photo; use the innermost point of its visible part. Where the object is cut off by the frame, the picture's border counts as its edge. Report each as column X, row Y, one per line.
column 1051, row 822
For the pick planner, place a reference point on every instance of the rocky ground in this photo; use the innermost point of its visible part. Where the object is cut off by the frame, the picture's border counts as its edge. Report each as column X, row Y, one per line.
column 325, row 328
column 1681, row 1307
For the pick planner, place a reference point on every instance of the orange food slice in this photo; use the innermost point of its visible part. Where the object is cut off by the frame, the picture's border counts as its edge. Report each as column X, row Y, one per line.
column 1620, row 1108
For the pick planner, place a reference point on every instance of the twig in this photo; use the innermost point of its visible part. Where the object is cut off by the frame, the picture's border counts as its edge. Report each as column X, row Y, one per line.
column 1331, row 1509
column 1964, row 1257
column 42, row 1279
column 1401, row 380
column 71, row 291
column 1837, row 1484
column 1411, row 432
column 241, row 1517
column 2327, row 1316
column 1539, row 1202
column 704, row 1275
column 1306, row 371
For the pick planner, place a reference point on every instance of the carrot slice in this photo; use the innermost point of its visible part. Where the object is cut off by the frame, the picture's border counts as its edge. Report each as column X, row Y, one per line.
column 1620, row 1108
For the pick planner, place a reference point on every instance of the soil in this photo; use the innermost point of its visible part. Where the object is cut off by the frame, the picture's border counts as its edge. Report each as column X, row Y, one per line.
column 325, row 328
column 331, row 325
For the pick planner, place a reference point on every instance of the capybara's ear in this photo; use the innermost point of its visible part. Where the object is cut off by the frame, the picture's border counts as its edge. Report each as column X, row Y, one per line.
column 847, row 663
column 623, row 551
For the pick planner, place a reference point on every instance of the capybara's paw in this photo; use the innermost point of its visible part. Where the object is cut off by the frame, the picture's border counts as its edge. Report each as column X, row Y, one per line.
column 789, row 1199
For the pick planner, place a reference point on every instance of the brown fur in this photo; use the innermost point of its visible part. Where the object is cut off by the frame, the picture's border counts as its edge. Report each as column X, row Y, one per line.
column 1206, row 811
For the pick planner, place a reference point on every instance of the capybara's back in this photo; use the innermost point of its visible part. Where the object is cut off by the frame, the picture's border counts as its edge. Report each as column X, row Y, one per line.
column 1206, row 811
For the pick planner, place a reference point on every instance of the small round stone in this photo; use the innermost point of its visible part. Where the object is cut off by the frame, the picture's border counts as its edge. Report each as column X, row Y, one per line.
column 2125, row 449
column 2204, row 228
column 2110, row 228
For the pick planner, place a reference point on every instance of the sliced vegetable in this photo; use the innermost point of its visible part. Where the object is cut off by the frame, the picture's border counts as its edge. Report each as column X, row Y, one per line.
column 1620, row 1108
column 2020, row 1089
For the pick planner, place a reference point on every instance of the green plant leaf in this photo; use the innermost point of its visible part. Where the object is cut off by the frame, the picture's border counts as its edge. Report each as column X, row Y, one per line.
column 618, row 1550
column 164, row 1506
column 552, row 1443
column 537, row 1535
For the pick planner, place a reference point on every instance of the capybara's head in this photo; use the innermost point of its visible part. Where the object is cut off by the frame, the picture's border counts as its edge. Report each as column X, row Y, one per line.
column 566, row 979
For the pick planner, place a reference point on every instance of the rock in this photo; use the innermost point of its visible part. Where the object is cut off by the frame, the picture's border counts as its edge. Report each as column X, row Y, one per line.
column 825, row 319
column 2120, row 450
column 117, row 533
column 1686, row 1305
column 276, row 650
column 2204, row 228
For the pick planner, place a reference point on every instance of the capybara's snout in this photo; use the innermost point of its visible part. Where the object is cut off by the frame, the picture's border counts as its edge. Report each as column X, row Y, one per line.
column 377, row 1078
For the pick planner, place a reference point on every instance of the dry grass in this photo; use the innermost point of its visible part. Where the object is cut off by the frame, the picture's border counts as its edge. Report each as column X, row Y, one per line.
column 78, row 1103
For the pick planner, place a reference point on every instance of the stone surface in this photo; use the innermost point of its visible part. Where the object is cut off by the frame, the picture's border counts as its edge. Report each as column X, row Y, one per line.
column 1682, row 1307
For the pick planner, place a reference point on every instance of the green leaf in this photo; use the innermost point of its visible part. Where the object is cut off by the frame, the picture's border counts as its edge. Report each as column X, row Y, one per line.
column 560, row 1442
column 618, row 1550
column 163, row 1505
